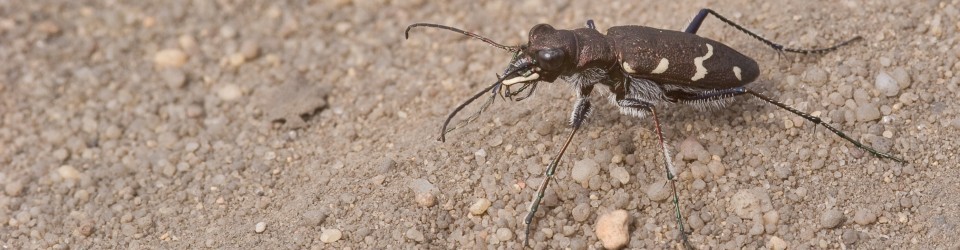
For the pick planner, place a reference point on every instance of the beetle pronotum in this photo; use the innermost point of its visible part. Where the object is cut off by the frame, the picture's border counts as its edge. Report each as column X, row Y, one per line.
column 643, row 67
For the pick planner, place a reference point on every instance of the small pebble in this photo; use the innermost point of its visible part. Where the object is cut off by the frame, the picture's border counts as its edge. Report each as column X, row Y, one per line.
column 480, row 156
column 229, row 92
column 776, row 243
column 504, row 234
column 426, row 199
column 86, row 229
column 886, row 84
column 187, row 42
column 414, row 235
column 583, row 170
column 903, row 78
column 68, row 172
column 191, row 146
column 659, row 191
column 175, row 78
column 330, row 235
column 581, row 212
column 236, row 59
column 783, row 171
column 61, row 154
column 261, row 226
column 771, row 217
column 716, row 168
column 314, row 217
column 691, row 149
column 849, row 236
column 815, row 76
column 387, row 165
column 868, row 112
column 170, row 58
column 831, row 218
column 250, row 50
column 480, row 206
column 620, row 174
column 745, row 204
column 613, row 229
column 14, row 188
column 864, row 217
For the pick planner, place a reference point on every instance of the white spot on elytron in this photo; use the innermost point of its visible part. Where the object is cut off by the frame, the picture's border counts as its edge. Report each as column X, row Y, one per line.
column 519, row 79
column 627, row 68
column 736, row 72
column 662, row 67
column 702, row 71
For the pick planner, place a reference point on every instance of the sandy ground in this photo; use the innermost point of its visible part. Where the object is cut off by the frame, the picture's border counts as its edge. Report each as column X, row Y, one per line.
column 312, row 124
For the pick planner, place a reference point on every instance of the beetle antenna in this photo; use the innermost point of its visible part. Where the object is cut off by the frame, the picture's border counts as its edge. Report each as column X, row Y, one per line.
column 496, row 87
column 466, row 33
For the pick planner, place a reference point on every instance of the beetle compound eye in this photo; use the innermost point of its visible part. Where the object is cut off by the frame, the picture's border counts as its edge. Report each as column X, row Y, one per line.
column 550, row 59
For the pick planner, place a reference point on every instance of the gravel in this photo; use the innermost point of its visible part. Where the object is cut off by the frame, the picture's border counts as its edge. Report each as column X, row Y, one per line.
column 175, row 122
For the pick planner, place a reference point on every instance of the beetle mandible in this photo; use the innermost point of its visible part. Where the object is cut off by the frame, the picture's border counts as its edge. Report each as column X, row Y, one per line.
column 643, row 68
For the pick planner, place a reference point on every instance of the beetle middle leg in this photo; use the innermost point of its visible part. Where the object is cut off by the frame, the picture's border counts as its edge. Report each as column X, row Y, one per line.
column 643, row 106
column 698, row 19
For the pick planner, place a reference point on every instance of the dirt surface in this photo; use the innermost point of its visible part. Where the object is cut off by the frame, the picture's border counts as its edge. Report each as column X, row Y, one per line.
column 312, row 124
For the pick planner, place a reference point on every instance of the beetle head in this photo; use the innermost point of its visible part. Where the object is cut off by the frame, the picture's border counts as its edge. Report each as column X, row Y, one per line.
column 548, row 54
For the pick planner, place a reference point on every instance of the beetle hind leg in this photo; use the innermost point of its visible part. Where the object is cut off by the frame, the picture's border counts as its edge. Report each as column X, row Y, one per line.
column 698, row 19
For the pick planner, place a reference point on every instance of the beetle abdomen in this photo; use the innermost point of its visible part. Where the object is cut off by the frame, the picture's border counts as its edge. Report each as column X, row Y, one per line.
column 673, row 57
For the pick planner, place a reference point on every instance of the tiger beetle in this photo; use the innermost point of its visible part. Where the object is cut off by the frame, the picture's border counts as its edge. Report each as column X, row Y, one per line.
column 643, row 68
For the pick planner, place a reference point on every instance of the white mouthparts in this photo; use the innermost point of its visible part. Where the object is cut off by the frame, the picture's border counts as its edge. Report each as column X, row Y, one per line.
column 518, row 79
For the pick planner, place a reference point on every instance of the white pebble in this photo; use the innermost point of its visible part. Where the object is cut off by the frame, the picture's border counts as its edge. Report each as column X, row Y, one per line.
column 426, row 199
column 14, row 188
column 68, row 172
column 480, row 207
column 745, row 204
column 261, row 226
column 621, row 174
column 887, row 134
column 886, row 84
column 583, row 170
column 229, row 92
column 415, row 235
column 170, row 58
column 613, row 229
column 330, row 235
column 776, row 243
column 191, row 146
column 771, row 217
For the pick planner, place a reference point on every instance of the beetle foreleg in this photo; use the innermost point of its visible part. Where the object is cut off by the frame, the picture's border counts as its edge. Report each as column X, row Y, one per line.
column 580, row 112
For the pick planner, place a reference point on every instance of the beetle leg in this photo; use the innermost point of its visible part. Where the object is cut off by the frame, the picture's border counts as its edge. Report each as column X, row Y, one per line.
column 698, row 19
column 631, row 103
column 580, row 112
column 717, row 95
column 817, row 121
